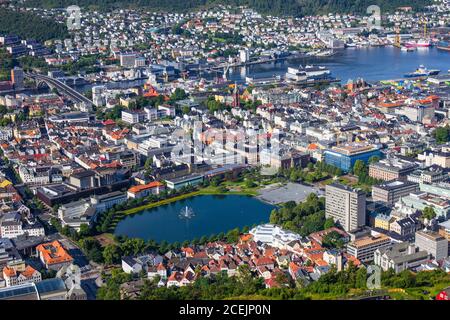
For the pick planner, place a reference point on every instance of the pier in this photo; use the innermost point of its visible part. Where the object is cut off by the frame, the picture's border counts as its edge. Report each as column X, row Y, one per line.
column 226, row 66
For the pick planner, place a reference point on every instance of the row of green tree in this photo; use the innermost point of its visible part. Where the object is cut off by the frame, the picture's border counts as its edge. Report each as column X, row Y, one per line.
column 361, row 170
column 87, row 64
column 442, row 134
column 304, row 218
column 315, row 172
column 6, row 64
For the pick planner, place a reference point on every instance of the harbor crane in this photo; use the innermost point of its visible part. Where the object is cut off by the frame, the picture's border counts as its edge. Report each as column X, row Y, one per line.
column 397, row 42
column 424, row 22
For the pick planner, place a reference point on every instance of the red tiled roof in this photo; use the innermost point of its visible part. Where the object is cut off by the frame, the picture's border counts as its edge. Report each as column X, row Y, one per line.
column 28, row 272
column 143, row 187
column 263, row 261
column 53, row 253
column 108, row 122
column 9, row 272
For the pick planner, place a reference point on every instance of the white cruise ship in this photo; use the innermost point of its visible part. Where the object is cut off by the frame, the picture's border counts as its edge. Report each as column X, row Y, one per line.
column 307, row 72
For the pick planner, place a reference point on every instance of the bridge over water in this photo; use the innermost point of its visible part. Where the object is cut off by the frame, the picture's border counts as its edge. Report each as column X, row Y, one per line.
column 62, row 88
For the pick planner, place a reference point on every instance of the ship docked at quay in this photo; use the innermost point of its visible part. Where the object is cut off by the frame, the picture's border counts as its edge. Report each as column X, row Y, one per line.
column 443, row 45
column 420, row 43
column 422, row 71
column 308, row 72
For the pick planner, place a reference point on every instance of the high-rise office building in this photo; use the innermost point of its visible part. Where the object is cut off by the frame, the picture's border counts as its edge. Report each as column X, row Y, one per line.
column 345, row 205
column 244, row 55
column 17, row 77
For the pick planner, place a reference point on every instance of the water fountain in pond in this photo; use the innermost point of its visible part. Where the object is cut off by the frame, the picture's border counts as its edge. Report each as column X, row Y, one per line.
column 186, row 213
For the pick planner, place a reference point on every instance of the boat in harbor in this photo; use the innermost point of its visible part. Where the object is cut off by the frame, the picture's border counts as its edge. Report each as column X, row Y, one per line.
column 308, row 72
column 408, row 49
column 423, row 43
column 443, row 45
column 422, row 72
column 326, row 53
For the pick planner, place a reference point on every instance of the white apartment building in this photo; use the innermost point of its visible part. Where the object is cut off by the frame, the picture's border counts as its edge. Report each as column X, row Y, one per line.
column 441, row 159
column 34, row 175
column 132, row 117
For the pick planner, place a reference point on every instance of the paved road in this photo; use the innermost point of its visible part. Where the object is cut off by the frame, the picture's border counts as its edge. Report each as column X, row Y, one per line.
column 78, row 256
column 90, row 288
column 88, row 271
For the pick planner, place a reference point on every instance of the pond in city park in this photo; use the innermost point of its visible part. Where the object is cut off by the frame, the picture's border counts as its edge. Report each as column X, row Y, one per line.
column 210, row 214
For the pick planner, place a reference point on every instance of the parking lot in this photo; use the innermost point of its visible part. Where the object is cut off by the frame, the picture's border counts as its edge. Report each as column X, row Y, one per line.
column 276, row 194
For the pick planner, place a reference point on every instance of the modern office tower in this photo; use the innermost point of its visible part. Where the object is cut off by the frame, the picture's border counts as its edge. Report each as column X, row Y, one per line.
column 244, row 55
column 17, row 76
column 345, row 205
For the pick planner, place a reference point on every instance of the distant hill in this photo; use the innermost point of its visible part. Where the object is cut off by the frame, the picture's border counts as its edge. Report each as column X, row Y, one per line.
column 30, row 26
column 273, row 7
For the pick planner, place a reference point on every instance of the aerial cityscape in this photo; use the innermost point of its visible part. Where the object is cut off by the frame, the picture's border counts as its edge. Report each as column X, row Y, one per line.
column 224, row 150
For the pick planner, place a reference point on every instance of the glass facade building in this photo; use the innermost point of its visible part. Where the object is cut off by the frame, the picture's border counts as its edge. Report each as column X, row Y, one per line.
column 346, row 162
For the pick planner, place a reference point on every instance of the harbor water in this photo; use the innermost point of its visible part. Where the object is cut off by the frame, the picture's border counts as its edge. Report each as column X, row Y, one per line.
column 371, row 64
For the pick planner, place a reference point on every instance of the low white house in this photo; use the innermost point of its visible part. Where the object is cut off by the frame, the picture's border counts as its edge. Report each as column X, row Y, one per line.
column 273, row 235
column 76, row 213
column 144, row 262
column 131, row 265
